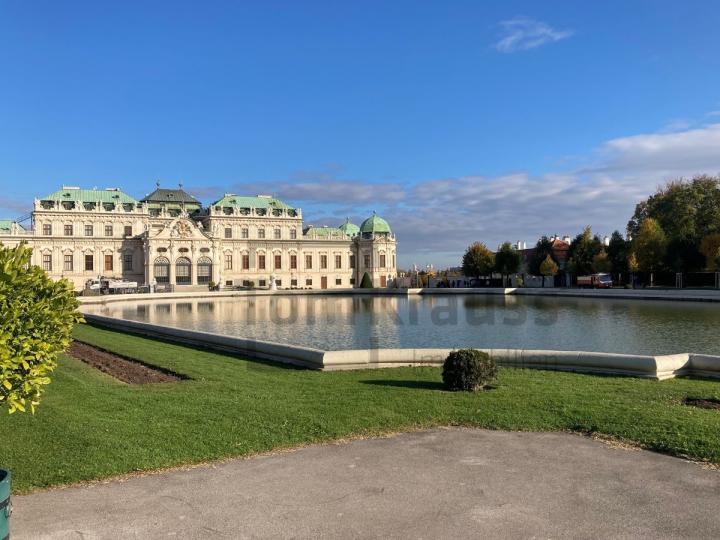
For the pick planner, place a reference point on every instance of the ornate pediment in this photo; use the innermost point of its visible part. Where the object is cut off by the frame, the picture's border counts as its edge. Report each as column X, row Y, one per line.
column 181, row 229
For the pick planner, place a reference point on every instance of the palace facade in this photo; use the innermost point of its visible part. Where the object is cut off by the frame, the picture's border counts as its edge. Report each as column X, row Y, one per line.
column 170, row 240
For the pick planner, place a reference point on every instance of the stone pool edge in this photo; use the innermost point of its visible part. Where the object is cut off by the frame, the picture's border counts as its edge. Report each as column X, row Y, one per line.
column 660, row 367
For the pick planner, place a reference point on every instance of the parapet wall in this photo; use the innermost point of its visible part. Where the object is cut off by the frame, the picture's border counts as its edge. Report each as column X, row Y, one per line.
column 644, row 366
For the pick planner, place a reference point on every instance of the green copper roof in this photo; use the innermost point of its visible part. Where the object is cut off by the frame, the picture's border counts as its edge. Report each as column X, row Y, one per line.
column 323, row 232
column 171, row 196
column 75, row 194
column 260, row 201
column 375, row 224
column 6, row 226
column 349, row 228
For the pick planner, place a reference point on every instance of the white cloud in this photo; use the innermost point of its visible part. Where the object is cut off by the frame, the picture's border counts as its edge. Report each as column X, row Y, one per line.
column 522, row 34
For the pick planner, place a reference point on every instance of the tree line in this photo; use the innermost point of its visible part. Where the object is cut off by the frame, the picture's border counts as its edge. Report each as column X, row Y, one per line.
column 677, row 229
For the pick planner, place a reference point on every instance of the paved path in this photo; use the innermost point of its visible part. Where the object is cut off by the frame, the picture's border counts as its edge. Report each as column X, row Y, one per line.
column 433, row 484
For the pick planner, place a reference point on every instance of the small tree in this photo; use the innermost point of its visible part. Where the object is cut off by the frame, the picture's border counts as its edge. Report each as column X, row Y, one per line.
column 650, row 246
column 507, row 260
column 548, row 268
column 601, row 263
column 469, row 370
column 633, row 268
column 478, row 260
column 37, row 316
column 366, row 282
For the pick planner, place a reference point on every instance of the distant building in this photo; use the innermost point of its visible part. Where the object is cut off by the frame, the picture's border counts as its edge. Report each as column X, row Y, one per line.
column 170, row 238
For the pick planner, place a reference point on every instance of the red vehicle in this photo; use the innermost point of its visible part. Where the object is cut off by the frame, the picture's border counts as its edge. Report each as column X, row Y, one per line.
column 595, row 281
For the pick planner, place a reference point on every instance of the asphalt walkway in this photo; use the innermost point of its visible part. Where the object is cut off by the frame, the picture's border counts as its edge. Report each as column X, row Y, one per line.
column 433, row 484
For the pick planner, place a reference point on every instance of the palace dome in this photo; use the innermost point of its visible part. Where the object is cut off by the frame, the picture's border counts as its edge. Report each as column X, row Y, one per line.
column 349, row 228
column 375, row 224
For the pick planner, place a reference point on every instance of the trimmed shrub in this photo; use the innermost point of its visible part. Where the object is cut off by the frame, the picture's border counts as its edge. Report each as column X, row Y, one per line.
column 37, row 316
column 469, row 370
column 366, row 282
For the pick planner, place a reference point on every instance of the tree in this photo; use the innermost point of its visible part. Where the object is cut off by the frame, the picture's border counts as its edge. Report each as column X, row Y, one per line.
column 649, row 247
column 366, row 282
column 687, row 211
column 548, row 268
column 583, row 249
column 543, row 248
column 507, row 260
column 618, row 251
column 709, row 249
column 37, row 316
column 478, row 260
column 601, row 263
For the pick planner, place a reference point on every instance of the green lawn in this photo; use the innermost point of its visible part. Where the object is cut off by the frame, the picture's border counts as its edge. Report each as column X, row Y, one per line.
column 91, row 426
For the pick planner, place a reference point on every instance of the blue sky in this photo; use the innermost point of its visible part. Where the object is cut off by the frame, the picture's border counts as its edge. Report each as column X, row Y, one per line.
column 458, row 121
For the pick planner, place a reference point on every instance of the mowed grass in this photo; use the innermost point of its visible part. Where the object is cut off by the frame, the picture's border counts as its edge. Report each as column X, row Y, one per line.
column 91, row 426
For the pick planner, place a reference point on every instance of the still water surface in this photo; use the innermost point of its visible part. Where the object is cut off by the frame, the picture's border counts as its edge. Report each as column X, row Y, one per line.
column 360, row 322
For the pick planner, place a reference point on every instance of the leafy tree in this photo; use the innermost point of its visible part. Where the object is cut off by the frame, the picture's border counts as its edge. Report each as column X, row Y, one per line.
column 507, row 260
column 478, row 260
column 687, row 211
column 366, row 282
column 618, row 252
column 583, row 249
column 37, row 316
column 601, row 263
column 649, row 247
column 548, row 268
column 709, row 248
column 717, row 260
column 543, row 248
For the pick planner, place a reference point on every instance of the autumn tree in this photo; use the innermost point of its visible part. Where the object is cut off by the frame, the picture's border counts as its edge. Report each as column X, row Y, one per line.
column 649, row 247
column 548, row 268
column 478, row 260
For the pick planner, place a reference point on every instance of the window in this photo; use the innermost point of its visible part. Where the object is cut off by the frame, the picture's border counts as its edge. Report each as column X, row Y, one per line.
column 47, row 229
column 108, row 230
column 338, row 261
column 352, row 281
column 352, row 261
column 89, row 262
column 277, row 234
column 278, row 282
column 382, row 260
column 261, row 262
column 262, row 282
column 367, row 261
column 162, row 270
column 244, row 232
column 293, row 262
column 183, row 271
column 308, row 282
column 88, row 230
column 338, row 281
column 68, row 262
column 246, row 261
column 293, row 282
column 228, row 261
column 246, row 282
column 204, row 270
column 228, row 283
column 308, row 261
column 47, row 262
column 261, row 233
column 228, row 232
column 108, row 262
column 278, row 262
column 293, row 234
column 127, row 262
column 128, row 230
column 68, row 230
column 323, row 261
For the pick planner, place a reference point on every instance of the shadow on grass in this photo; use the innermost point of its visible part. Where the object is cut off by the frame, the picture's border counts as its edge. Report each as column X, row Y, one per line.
column 418, row 385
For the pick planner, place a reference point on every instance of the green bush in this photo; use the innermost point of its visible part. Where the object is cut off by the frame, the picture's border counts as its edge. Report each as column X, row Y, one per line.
column 37, row 315
column 469, row 370
column 366, row 282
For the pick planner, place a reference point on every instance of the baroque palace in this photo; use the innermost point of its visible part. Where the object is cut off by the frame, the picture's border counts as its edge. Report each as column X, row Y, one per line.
column 168, row 239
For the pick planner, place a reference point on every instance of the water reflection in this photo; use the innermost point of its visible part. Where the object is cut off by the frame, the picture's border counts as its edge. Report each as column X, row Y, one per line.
column 358, row 322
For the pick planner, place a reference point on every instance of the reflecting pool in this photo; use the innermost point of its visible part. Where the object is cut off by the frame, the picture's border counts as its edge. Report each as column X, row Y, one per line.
column 361, row 322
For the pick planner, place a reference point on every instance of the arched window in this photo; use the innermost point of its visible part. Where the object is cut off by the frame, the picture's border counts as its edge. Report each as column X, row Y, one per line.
column 204, row 270
column 162, row 270
column 183, row 271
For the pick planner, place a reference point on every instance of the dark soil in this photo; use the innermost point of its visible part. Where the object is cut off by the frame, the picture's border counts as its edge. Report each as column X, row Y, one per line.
column 126, row 369
column 710, row 403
